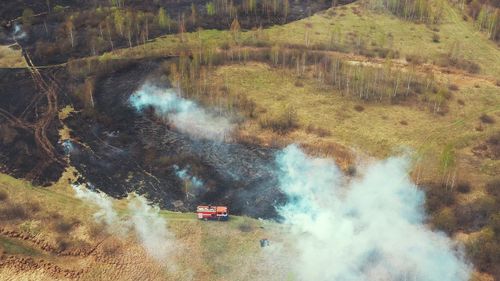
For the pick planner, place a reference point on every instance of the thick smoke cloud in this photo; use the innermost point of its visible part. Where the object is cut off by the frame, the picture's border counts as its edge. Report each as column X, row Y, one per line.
column 368, row 229
column 187, row 116
column 145, row 221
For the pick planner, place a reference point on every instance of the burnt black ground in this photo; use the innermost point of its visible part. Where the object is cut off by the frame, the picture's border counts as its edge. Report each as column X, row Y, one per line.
column 49, row 27
column 19, row 155
column 118, row 150
column 127, row 151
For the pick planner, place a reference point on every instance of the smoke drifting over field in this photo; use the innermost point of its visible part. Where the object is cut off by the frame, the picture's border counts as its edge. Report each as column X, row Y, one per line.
column 187, row 116
column 369, row 229
column 363, row 229
column 151, row 228
column 105, row 213
column 145, row 221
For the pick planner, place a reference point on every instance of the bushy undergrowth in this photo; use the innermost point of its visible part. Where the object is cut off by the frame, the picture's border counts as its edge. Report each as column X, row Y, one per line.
column 12, row 212
column 354, row 81
column 484, row 250
column 282, row 123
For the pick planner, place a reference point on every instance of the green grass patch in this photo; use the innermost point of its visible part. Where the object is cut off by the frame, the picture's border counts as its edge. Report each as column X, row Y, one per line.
column 378, row 129
column 350, row 29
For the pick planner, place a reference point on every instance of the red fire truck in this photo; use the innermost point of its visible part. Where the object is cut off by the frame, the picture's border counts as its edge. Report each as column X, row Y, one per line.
column 212, row 213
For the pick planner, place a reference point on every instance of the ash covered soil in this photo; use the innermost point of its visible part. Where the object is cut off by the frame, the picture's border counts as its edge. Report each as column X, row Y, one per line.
column 129, row 151
column 48, row 39
column 116, row 149
column 21, row 105
column 119, row 150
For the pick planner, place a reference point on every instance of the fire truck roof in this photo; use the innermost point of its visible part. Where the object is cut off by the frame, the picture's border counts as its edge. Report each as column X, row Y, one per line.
column 212, row 208
column 221, row 209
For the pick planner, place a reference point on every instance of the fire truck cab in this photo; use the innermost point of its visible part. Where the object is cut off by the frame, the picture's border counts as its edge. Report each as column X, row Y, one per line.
column 212, row 213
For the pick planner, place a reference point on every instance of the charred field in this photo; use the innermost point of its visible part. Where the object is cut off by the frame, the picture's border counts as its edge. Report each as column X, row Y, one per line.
column 56, row 36
column 114, row 148
column 118, row 150
column 336, row 132
column 124, row 151
column 20, row 155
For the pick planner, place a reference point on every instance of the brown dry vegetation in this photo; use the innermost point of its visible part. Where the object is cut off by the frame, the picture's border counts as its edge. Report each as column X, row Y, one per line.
column 58, row 240
column 331, row 82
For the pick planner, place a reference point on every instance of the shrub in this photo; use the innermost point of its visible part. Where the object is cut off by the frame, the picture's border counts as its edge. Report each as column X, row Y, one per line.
column 485, row 250
column 453, row 87
column 13, row 212
column 283, row 123
column 495, row 139
column 404, row 123
column 495, row 223
column 445, row 220
column 3, row 195
column 112, row 247
column 448, row 60
column 473, row 216
column 246, row 225
column 494, row 145
column 95, row 230
column 299, row 83
column 359, row 108
column 463, row 187
column 62, row 244
column 436, row 38
column 493, row 188
column 58, row 9
column 62, row 226
column 320, row 132
column 351, row 170
column 438, row 196
column 486, row 119
column 225, row 46
column 414, row 59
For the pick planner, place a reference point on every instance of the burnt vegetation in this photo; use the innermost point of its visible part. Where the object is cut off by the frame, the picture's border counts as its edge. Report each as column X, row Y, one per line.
column 120, row 150
column 484, row 250
column 481, row 216
column 13, row 211
column 129, row 151
column 56, row 31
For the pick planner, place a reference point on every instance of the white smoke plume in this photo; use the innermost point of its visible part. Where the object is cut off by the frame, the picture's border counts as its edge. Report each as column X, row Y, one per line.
column 371, row 228
column 145, row 221
column 151, row 228
column 194, row 185
column 105, row 213
column 187, row 116
column 18, row 32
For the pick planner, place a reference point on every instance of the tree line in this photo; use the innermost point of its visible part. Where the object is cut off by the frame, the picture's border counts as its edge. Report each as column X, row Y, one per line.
column 486, row 17
column 386, row 84
column 427, row 11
